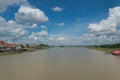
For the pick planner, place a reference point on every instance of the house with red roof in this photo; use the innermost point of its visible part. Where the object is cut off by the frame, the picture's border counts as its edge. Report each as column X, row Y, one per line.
column 2, row 43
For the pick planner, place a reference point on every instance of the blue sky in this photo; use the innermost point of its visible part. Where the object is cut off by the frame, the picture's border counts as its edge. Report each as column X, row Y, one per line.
column 60, row 22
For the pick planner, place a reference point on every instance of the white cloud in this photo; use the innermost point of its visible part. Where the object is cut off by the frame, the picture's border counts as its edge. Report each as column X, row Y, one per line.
column 43, row 33
column 109, row 25
column 87, row 39
column 44, row 27
column 107, row 30
column 38, row 35
column 5, row 3
column 60, row 24
column 12, row 30
column 57, row 9
column 94, row 39
column 34, row 26
column 12, row 23
column 28, row 14
column 61, row 38
column 51, row 38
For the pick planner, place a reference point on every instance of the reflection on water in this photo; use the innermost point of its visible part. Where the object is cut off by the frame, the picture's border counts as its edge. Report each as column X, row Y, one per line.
column 60, row 64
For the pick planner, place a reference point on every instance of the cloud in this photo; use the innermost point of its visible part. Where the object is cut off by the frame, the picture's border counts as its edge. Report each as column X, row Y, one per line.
column 12, row 30
column 43, row 33
column 107, row 30
column 34, row 26
column 109, row 25
column 38, row 35
column 5, row 3
column 100, row 39
column 44, row 27
column 61, row 38
column 35, row 38
column 60, row 24
column 28, row 14
column 12, row 23
column 57, row 9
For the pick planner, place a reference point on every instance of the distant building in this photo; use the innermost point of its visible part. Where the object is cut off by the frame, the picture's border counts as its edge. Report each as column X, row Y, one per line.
column 2, row 43
column 11, row 45
column 18, row 47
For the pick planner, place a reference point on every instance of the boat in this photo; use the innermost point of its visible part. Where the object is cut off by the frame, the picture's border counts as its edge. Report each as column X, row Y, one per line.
column 116, row 52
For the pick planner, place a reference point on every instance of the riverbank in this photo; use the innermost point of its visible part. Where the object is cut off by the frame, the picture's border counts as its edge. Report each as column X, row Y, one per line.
column 20, row 51
column 103, row 49
column 9, row 52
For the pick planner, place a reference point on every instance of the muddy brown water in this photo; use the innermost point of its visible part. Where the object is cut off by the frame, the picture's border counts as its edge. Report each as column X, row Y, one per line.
column 60, row 64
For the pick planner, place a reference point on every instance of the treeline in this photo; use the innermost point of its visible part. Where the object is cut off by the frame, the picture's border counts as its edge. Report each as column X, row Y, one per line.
column 41, row 46
column 117, row 45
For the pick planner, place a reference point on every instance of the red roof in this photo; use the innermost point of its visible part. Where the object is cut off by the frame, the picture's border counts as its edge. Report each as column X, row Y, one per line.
column 11, row 45
column 2, row 42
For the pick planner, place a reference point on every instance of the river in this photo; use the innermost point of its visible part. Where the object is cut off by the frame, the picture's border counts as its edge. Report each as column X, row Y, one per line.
column 67, row 63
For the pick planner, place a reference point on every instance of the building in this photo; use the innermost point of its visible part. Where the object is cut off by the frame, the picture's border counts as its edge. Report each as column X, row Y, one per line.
column 7, row 45
column 11, row 45
column 2, row 43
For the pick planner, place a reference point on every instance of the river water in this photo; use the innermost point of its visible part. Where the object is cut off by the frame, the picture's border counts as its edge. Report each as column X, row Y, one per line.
column 69, row 63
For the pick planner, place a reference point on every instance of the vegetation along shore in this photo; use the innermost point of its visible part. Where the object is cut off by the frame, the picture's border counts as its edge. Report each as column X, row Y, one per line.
column 106, row 47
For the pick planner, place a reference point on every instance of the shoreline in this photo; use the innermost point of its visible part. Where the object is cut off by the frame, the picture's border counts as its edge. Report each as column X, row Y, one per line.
column 19, row 51
column 107, row 50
